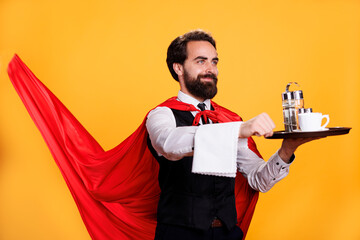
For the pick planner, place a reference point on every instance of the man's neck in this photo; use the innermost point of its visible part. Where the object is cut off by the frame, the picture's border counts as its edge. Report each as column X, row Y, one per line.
column 183, row 97
column 193, row 96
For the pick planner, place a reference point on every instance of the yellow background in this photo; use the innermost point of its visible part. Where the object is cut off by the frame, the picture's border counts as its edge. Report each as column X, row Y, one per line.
column 106, row 61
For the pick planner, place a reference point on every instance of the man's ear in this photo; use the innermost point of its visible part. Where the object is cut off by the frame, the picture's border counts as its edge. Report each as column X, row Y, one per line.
column 178, row 68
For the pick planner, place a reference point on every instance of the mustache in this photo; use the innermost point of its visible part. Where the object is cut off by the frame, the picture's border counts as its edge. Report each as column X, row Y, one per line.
column 208, row 75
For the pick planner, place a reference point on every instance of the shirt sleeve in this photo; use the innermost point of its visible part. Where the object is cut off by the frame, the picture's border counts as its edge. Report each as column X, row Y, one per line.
column 168, row 140
column 261, row 175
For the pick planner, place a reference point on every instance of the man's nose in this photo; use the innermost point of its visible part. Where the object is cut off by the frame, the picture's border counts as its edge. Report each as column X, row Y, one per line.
column 211, row 68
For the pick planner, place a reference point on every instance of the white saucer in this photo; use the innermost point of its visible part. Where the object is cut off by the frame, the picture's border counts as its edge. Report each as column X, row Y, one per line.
column 319, row 130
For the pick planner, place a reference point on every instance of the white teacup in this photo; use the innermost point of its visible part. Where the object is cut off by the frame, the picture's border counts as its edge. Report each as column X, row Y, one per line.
column 312, row 121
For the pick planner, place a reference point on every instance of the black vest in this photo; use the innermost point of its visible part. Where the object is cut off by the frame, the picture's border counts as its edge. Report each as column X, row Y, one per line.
column 192, row 200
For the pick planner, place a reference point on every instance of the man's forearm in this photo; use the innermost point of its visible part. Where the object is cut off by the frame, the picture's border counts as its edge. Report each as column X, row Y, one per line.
column 285, row 153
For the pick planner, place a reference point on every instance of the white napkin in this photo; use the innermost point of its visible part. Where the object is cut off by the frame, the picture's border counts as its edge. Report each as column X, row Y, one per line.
column 215, row 149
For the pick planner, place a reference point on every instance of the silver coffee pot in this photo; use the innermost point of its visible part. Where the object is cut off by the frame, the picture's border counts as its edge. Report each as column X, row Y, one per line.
column 292, row 101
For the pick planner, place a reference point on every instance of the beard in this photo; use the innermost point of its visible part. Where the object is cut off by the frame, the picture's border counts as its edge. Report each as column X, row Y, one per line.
column 204, row 90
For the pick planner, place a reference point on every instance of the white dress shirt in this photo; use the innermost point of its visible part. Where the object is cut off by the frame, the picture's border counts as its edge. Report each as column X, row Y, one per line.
column 221, row 143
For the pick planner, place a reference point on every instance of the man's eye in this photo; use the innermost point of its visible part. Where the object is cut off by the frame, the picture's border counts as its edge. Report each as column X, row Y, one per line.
column 215, row 62
column 201, row 61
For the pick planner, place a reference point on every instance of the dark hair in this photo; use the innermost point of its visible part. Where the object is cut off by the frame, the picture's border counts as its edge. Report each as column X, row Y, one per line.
column 177, row 50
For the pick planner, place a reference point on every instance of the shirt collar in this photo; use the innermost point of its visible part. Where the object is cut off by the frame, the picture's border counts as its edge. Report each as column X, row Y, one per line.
column 183, row 97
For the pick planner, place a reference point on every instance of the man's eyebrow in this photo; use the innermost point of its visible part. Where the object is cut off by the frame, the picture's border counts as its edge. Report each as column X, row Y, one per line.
column 200, row 57
column 205, row 58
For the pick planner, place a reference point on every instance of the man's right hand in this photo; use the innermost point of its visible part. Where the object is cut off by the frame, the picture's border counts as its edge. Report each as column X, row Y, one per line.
column 261, row 125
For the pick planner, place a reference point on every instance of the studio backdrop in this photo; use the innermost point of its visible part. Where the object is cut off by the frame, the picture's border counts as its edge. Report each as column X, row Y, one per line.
column 106, row 62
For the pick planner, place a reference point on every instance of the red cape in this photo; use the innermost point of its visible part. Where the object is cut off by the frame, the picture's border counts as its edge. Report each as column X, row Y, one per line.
column 116, row 191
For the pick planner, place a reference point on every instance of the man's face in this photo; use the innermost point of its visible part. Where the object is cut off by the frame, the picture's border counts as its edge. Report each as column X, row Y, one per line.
column 200, row 69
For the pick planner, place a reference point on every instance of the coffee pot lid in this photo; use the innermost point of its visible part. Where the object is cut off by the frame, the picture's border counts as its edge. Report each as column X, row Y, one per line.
column 287, row 95
column 305, row 110
column 298, row 94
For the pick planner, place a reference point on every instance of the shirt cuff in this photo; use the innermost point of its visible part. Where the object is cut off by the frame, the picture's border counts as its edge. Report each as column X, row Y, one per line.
column 279, row 164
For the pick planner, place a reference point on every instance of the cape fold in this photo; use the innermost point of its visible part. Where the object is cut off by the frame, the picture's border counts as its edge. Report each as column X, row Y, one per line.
column 116, row 191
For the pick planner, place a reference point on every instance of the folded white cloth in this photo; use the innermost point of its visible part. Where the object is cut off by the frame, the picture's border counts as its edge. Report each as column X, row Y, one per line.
column 215, row 149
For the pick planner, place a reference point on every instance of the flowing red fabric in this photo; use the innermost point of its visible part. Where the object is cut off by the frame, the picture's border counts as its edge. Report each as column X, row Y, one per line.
column 116, row 191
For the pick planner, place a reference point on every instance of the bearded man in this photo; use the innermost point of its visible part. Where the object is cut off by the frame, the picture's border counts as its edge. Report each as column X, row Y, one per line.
column 197, row 198
column 201, row 155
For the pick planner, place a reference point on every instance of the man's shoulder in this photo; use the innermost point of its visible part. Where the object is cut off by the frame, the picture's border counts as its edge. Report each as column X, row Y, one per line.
column 165, row 107
column 173, row 103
